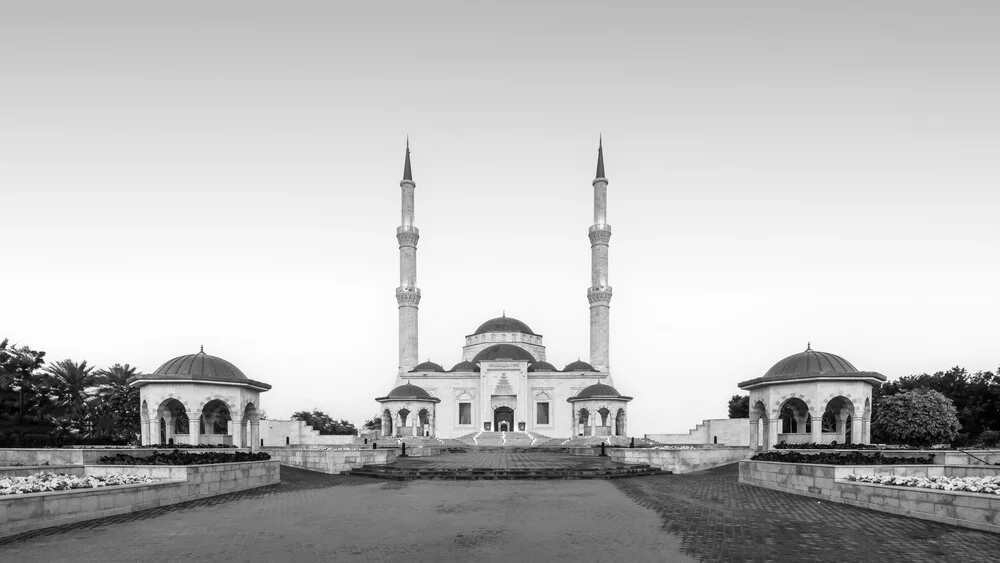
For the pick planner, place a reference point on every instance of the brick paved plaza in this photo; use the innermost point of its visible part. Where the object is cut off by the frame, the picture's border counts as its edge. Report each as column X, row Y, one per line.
column 705, row 516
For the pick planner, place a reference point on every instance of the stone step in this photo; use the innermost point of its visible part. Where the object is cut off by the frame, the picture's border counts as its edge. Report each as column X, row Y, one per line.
column 406, row 473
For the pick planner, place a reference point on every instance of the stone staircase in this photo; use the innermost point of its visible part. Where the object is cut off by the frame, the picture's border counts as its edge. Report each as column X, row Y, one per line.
column 402, row 473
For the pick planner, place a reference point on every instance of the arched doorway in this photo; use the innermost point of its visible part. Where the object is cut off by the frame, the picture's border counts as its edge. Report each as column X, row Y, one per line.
column 425, row 422
column 216, row 418
column 584, row 422
column 503, row 419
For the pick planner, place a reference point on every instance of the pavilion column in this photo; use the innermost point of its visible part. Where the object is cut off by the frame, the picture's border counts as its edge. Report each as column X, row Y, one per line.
column 170, row 427
column 144, row 432
column 193, row 431
column 866, row 429
column 593, row 423
column 772, row 433
column 857, row 433
column 754, row 436
column 236, row 431
column 154, row 431
column 817, row 429
column 254, row 436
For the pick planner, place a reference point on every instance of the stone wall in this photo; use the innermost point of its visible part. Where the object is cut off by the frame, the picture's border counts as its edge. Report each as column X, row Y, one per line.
column 829, row 482
column 680, row 461
column 24, row 513
column 297, row 432
column 716, row 431
column 83, row 456
column 938, row 457
column 331, row 461
column 24, row 471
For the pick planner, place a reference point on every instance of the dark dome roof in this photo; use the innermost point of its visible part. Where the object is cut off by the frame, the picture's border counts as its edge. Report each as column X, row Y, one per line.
column 408, row 391
column 427, row 366
column 202, row 366
column 503, row 324
column 579, row 365
column 465, row 365
column 198, row 367
column 542, row 366
column 598, row 390
column 503, row 352
column 811, row 364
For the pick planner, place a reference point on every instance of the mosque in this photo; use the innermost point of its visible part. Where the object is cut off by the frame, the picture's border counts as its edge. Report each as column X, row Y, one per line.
column 504, row 381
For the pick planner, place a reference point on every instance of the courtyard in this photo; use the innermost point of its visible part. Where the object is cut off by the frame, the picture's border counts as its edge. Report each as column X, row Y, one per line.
column 704, row 516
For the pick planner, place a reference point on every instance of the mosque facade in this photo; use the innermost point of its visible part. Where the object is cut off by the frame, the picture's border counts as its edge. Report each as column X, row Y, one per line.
column 504, row 381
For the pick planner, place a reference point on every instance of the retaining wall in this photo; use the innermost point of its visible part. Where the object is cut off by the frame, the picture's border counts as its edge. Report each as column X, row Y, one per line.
column 938, row 457
column 85, row 456
column 332, row 461
column 180, row 483
column 680, row 461
column 829, row 482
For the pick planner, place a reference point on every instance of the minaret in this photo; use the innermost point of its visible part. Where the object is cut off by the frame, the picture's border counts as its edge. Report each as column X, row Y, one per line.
column 407, row 294
column 599, row 293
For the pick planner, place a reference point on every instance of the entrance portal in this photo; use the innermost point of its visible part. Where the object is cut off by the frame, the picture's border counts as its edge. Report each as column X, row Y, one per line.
column 503, row 419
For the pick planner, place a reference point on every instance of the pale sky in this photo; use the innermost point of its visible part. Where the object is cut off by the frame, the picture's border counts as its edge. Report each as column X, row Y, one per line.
column 226, row 174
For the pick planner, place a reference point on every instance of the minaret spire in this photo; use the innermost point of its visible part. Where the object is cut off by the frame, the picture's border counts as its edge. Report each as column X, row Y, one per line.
column 599, row 293
column 407, row 294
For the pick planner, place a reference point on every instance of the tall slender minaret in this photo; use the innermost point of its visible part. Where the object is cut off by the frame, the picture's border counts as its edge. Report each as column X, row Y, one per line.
column 407, row 294
column 599, row 293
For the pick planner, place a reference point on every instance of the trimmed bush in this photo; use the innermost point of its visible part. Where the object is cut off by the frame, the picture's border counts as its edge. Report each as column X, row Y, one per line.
column 178, row 457
column 920, row 417
column 842, row 458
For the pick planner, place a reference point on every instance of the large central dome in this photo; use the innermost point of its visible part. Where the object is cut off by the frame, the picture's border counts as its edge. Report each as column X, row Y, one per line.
column 503, row 324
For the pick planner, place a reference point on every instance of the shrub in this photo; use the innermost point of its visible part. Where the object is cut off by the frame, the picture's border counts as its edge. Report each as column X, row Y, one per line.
column 989, row 438
column 841, row 458
column 178, row 457
column 920, row 417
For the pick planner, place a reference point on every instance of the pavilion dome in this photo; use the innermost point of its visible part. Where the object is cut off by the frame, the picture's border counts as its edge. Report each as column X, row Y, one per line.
column 503, row 352
column 408, row 391
column 427, row 366
column 503, row 324
column 542, row 366
column 812, row 364
column 203, row 367
column 465, row 365
column 598, row 390
column 579, row 365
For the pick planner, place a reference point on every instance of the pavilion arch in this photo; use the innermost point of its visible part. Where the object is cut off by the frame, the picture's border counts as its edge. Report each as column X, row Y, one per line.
column 848, row 427
column 250, row 425
column 424, row 421
column 583, row 422
column 760, row 426
column 793, row 415
column 172, row 420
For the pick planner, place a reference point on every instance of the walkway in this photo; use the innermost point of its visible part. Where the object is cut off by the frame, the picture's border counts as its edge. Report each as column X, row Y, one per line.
column 705, row 516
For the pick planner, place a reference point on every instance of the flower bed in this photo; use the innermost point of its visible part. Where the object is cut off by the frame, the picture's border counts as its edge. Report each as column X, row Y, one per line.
column 178, row 457
column 986, row 485
column 841, row 458
column 43, row 482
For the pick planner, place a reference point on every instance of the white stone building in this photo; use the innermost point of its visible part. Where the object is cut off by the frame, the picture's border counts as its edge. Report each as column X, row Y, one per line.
column 811, row 397
column 199, row 399
column 503, row 381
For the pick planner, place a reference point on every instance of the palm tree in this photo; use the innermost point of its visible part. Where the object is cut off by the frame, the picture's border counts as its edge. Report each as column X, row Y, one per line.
column 115, row 403
column 19, row 369
column 72, row 384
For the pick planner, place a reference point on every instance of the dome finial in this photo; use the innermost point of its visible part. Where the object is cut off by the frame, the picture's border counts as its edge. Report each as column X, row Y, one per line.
column 504, row 315
column 809, row 346
column 202, row 349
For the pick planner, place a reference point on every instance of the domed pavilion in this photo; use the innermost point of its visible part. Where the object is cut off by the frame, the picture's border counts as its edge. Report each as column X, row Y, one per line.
column 599, row 410
column 408, row 410
column 199, row 399
column 811, row 397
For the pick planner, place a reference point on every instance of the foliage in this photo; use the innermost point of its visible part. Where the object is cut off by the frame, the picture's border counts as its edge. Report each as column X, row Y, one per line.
column 842, row 458
column 116, row 405
column 324, row 423
column 831, row 446
column 976, row 396
column 989, row 438
column 23, row 394
column 177, row 457
column 188, row 446
column 373, row 423
column 739, row 406
column 988, row 485
column 44, row 481
column 71, row 383
column 920, row 417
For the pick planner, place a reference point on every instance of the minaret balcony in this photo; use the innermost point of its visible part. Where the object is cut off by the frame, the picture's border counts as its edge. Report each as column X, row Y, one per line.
column 599, row 295
column 408, row 295
column 407, row 235
column 600, row 233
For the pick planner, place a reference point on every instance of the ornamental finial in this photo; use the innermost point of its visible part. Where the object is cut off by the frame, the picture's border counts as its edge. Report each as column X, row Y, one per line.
column 407, row 174
column 202, row 349
column 600, row 156
column 809, row 346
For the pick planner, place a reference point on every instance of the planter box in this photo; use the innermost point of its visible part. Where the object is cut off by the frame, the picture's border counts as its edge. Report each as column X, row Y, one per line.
column 84, row 456
column 179, row 483
column 829, row 482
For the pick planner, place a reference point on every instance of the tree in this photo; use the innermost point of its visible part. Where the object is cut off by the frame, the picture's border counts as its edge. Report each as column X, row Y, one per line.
column 739, row 406
column 19, row 367
column 71, row 384
column 115, row 404
column 373, row 423
column 324, row 423
column 919, row 417
column 976, row 396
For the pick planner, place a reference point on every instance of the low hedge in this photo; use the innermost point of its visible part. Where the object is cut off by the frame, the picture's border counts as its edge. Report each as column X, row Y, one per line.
column 842, row 458
column 177, row 457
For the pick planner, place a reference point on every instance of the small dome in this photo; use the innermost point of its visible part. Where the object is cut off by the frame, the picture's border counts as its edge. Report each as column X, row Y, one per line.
column 408, row 391
column 427, row 366
column 203, row 367
column 598, row 390
column 579, row 365
column 465, row 365
column 503, row 324
column 542, row 366
column 503, row 352
column 810, row 362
